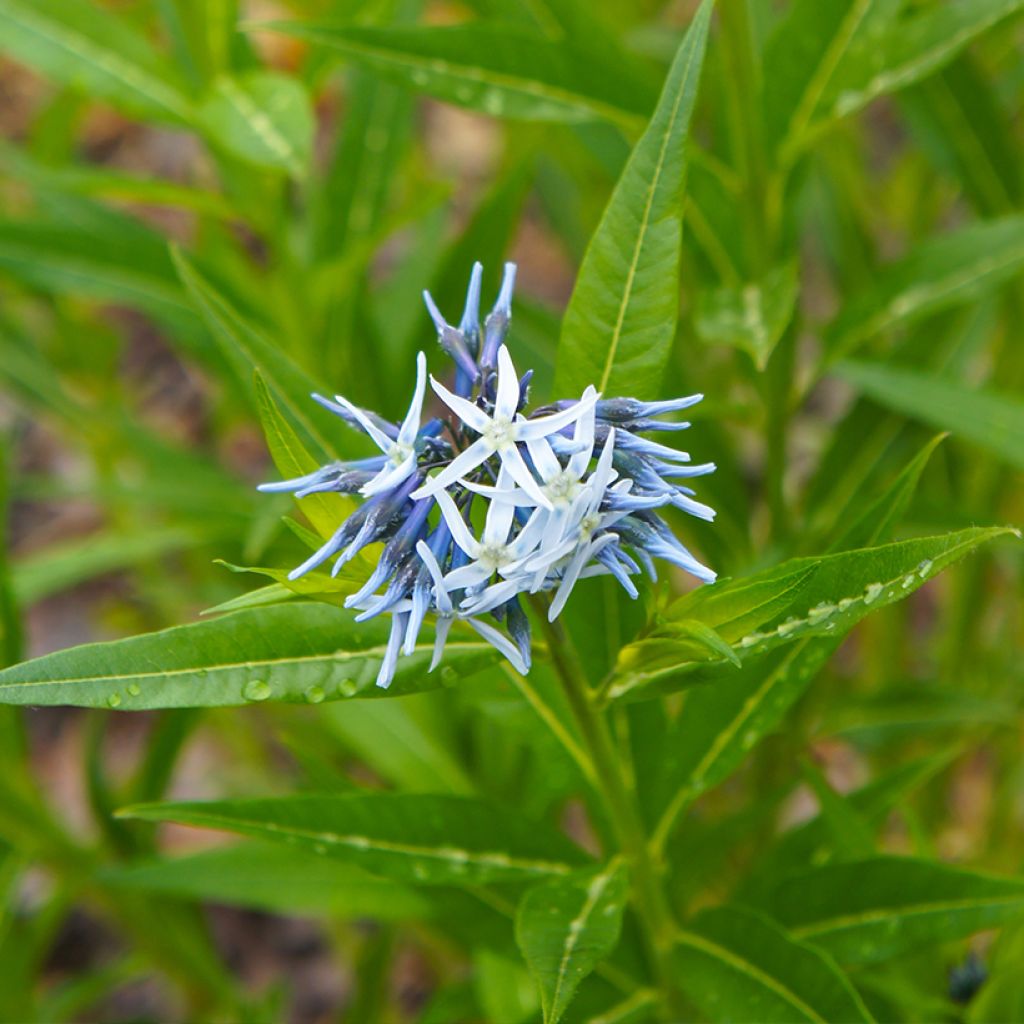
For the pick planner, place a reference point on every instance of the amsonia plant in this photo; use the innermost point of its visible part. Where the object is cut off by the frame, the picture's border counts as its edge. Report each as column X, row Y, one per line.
column 532, row 716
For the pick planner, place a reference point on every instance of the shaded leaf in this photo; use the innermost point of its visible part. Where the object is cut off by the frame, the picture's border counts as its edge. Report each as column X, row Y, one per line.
column 907, row 50
column 273, row 878
column 248, row 348
column 566, row 927
column 879, row 518
column 751, row 317
column 430, row 840
column 986, row 418
column 299, row 651
column 739, row 966
column 621, row 320
column 88, row 47
column 868, row 910
column 940, row 273
column 497, row 70
column 130, row 268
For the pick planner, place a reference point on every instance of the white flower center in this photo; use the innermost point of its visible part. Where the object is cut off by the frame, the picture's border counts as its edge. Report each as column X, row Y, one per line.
column 588, row 524
column 493, row 556
column 399, row 452
column 499, row 433
column 563, row 487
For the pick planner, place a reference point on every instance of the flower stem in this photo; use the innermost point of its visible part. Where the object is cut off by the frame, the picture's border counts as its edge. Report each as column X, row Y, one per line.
column 649, row 897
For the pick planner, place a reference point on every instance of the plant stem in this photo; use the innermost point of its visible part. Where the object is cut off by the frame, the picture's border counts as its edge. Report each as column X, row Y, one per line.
column 649, row 897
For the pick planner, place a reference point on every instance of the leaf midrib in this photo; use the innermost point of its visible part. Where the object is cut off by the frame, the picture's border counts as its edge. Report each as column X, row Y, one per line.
column 753, row 971
column 443, row 854
column 343, row 657
column 531, row 87
column 846, row 922
column 645, row 219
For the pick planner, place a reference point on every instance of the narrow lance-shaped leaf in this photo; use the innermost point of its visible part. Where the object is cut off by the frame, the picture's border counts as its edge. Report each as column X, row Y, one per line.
column 291, row 652
column 247, row 348
column 88, row 47
column 991, row 420
column 497, row 70
column 869, row 910
column 420, row 838
column 621, row 320
column 881, row 516
column 566, row 927
column 800, row 60
column 272, row 878
column 907, row 50
column 844, row 588
column 940, row 273
column 739, row 966
column 326, row 510
column 66, row 258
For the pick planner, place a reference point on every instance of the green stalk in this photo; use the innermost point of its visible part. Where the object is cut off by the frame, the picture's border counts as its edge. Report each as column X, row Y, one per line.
column 649, row 897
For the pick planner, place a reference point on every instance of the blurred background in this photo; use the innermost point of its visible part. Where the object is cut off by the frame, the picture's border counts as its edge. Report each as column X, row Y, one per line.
column 130, row 447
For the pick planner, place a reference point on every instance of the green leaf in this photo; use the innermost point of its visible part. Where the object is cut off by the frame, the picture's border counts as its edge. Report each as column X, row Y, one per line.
column 961, row 124
column 262, row 118
column 811, row 843
column 65, row 565
column 429, row 840
column 300, row 652
column 800, row 60
column 844, row 588
column 986, row 418
column 940, row 273
column 566, row 927
column 326, row 510
column 739, row 966
column 272, row 878
column 90, row 48
column 907, row 50
column 852, row 836
column 751, row 317
column 869, row 910
column 621, row 320
column 121, row 267
column 247, row 348
column 879, row 518
column 495, row 69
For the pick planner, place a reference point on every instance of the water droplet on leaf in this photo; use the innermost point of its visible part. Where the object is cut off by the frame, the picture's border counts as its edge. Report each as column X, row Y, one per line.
column 114, row 700
column 256, row 689
column 315, row 694
column 134, row 689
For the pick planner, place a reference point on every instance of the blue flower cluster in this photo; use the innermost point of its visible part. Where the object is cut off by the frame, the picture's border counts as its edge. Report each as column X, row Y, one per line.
column 560, row 494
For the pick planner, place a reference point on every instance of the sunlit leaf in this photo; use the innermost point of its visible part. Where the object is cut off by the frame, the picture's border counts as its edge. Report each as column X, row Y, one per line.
column 292, row 652
column 621, row 320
